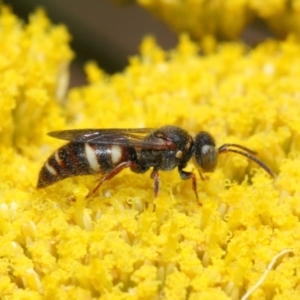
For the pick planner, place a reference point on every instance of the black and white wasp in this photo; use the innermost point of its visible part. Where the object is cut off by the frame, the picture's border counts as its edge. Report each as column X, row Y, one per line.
column 109, row 151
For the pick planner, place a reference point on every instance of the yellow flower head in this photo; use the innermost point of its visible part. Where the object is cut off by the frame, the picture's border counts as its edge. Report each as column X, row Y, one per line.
column 121, row 243
column 225, row 19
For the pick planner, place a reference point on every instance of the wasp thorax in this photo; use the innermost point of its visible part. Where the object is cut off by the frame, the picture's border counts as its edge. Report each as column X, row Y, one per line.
column 206, row 153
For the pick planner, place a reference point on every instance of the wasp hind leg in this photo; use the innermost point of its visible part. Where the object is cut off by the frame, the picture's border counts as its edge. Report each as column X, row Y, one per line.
column 112, row 174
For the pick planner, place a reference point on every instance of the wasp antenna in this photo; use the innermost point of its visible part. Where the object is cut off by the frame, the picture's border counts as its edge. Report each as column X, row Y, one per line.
column 226, row 146
column 249, row 154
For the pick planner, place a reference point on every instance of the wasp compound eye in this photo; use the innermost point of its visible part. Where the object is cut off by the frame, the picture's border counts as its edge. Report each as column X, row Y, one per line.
column 206, row 154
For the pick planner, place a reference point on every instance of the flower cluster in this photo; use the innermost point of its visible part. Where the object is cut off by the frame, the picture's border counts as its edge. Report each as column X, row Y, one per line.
column 115, row 245
column 225, row 19
column 34, row 62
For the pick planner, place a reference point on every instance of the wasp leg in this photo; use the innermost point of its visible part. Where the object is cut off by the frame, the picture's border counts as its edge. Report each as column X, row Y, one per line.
column 203, row 177
column 154, row 175
column 112, row 174
column 187, row 175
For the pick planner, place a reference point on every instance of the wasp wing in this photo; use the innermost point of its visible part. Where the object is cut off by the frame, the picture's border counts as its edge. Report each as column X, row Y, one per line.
column 129, row 137
column 96, row 135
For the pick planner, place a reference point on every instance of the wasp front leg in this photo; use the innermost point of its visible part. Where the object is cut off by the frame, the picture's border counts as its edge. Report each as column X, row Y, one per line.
column 187, row 175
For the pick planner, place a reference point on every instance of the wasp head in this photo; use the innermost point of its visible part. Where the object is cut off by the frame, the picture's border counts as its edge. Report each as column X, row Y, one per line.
column 206, row 153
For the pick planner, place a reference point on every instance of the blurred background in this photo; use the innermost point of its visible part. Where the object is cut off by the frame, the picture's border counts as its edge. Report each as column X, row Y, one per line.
column 101, row 30
column 108, row 32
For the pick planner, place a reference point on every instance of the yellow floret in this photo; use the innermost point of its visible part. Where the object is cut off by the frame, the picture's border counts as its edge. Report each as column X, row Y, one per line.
column 121, row 243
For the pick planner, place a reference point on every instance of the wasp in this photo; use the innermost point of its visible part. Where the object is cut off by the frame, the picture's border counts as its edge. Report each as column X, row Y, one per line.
column 109, row 151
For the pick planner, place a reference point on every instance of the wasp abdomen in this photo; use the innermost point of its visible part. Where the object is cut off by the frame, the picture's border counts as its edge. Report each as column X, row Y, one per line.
column 81, row 159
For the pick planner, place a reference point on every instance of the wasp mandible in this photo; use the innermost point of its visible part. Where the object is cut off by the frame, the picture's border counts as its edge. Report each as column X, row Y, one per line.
column 109, row 151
